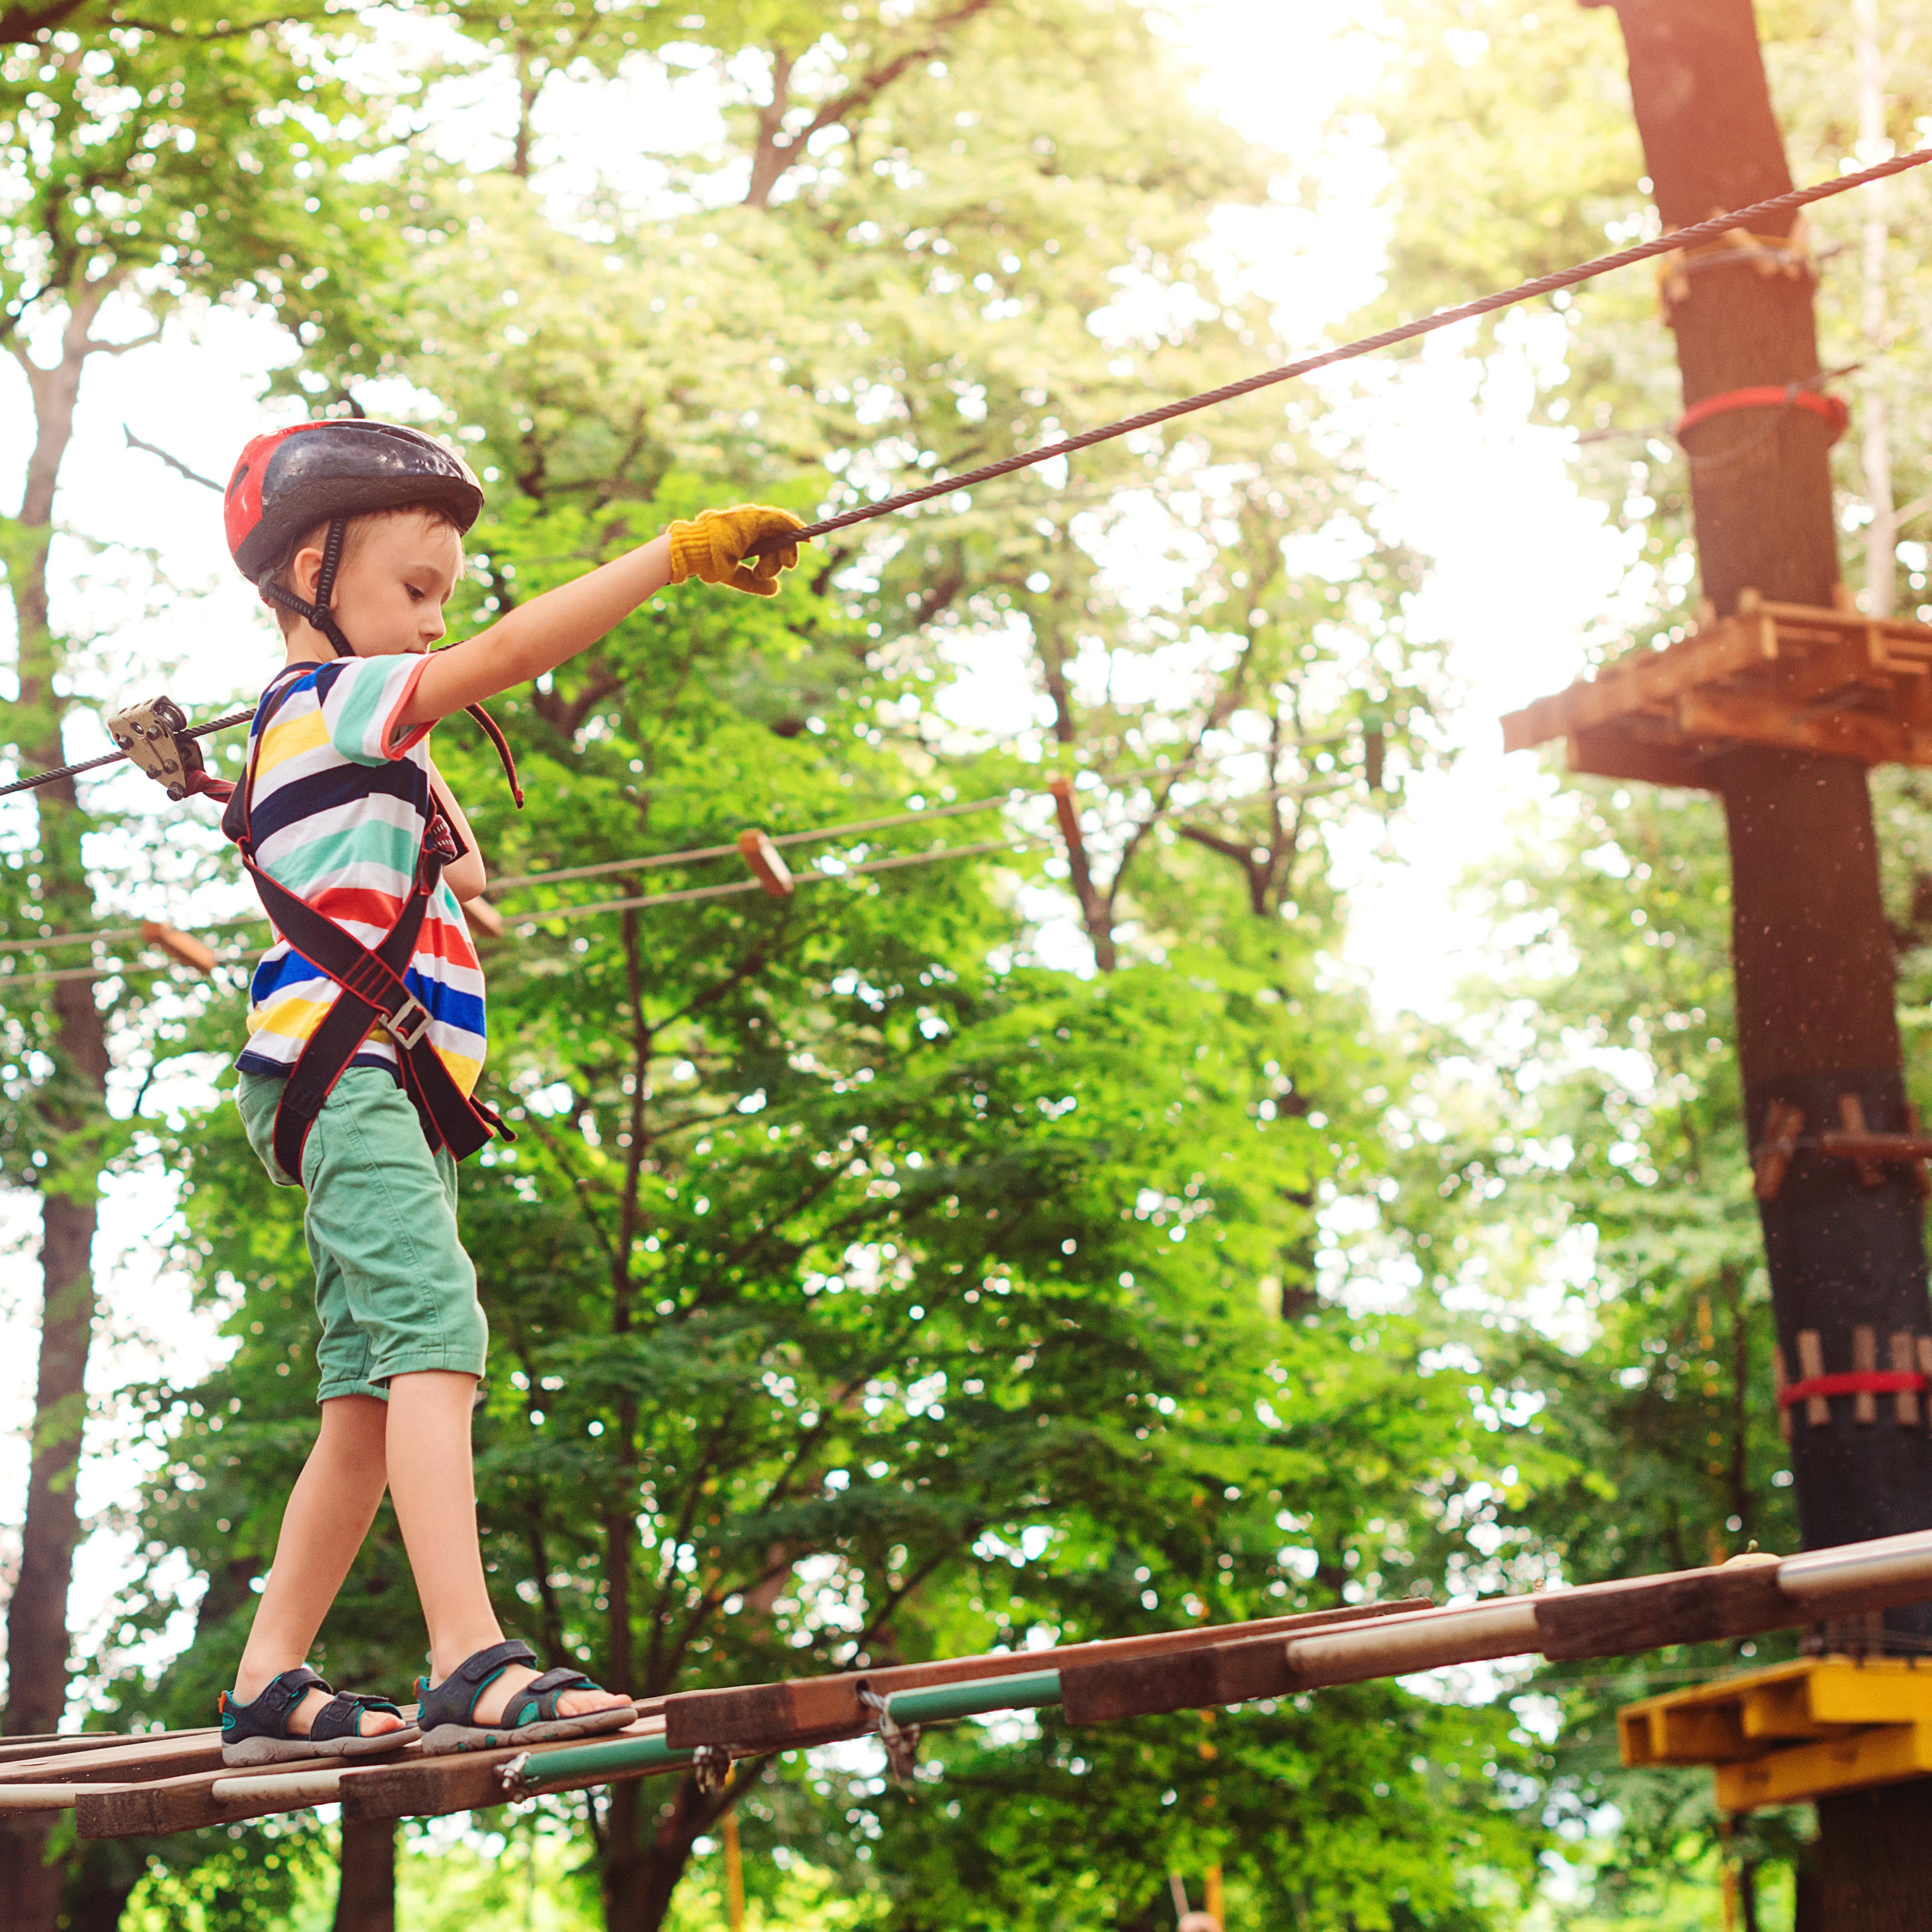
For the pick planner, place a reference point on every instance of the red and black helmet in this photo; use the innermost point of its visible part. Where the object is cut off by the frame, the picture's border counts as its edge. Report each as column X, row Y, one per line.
column 290, row 480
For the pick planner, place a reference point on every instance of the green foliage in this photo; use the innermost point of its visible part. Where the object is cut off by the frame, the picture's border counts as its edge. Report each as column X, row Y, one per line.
column 861, row 1284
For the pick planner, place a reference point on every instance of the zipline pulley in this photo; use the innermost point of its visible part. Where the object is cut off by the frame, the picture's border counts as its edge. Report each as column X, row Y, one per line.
column 153, row 734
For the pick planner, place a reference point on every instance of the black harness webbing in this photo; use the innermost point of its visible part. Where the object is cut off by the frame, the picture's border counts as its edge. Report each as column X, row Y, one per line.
column 372, row 992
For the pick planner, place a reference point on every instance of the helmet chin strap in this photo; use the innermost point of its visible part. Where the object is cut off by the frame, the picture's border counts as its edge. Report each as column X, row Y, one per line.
column 318, row 613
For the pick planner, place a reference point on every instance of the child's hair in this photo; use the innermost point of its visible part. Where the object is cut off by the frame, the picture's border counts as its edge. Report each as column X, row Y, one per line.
column 433, row 513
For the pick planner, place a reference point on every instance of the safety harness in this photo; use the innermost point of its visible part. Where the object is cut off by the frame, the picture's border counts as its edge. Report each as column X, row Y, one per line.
column 372, row 989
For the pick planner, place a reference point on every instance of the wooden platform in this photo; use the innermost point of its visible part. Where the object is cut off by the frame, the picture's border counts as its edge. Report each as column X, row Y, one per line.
column 1788, row 675
column 1796, row 1732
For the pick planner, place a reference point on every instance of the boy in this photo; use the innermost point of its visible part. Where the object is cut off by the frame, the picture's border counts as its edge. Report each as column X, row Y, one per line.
column 366, row 1035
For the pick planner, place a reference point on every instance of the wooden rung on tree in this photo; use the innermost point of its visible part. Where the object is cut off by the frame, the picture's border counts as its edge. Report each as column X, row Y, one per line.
column 1906, row 1380
column 1801, row 676
column 1784, row 1123
column 1905, row 1362
column 1811, row 1369
column 1784, row 1139
column 1864, row 1362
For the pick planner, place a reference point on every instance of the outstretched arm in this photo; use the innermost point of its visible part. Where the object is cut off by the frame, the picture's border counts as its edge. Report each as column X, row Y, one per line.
column 539, row 636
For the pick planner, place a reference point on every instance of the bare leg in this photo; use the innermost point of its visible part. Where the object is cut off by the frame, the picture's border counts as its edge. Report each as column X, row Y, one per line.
column 328, row 1514
column 433, row 1484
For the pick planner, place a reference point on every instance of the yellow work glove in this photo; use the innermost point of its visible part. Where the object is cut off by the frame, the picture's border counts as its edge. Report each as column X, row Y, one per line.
column 711, row 548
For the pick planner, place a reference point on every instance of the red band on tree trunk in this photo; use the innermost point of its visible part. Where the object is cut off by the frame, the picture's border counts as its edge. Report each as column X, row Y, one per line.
column 1769, row 396
column 1862, row 1381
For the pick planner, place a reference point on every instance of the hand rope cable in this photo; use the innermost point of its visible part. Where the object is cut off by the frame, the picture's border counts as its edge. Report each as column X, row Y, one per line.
column 1019, row 840
column 693, row 854
column 528, row 922
column 1671, row 240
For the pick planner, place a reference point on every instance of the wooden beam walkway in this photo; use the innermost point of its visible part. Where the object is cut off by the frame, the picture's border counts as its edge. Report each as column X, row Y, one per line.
column 174, row 1781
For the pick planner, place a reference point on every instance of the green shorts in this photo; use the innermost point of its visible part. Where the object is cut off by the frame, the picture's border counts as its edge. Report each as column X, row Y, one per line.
column 394, row 1290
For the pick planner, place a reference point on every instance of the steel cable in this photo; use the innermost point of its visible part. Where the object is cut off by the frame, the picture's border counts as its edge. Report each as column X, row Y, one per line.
column 1713, row 229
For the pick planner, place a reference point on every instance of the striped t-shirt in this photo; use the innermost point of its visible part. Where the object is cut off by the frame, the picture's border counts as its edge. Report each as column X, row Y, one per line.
column 340, row 798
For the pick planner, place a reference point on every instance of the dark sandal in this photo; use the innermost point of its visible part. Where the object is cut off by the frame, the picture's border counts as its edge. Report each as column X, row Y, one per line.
column 258, row 1733
column 447, row 1714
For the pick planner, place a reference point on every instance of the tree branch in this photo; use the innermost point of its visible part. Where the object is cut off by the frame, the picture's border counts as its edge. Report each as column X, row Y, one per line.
column 174, row 463
column 777, row 150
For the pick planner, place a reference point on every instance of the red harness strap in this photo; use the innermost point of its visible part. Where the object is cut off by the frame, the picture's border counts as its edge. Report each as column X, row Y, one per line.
column 373, row 991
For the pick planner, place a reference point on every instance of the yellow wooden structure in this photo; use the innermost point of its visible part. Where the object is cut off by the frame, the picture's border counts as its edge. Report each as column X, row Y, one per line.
column 1794, row 1732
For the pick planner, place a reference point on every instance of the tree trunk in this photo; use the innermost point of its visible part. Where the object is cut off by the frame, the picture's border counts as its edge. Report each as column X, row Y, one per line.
column 72, row 1110
column 1875, row 1858
column 365, row 1898
column 642, row 1865
column 1812, row 952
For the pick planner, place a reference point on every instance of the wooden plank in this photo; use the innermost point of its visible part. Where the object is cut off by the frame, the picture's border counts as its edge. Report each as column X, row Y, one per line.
column 171, row 1754
column 1192, row 1680
column 1779, row 1712
column 1885, row 1690
column 1608, row 752
column 186, row 1804
column 425, row 1787
column 1739, row 1598
column 1636, row 1736
column 1772, row 721
column 1854, row 1762
column 57, row 1744
column 433, row 1787
column 776, row 1716
column 1700, row 1734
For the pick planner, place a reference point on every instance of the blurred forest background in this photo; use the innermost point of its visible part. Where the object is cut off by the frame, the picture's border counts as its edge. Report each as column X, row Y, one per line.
column 991, row 1251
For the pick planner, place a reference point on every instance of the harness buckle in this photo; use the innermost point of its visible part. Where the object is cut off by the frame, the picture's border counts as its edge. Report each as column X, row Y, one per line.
column 408, row 1023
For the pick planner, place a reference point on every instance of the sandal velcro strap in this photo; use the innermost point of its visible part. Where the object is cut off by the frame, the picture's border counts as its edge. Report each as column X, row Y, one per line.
column 454, row 1700
column 535, row 1703
column 341, row 1716
column 268, row 1715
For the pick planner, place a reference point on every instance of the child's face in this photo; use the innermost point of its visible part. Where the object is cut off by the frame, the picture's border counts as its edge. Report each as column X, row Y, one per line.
column 393, row 582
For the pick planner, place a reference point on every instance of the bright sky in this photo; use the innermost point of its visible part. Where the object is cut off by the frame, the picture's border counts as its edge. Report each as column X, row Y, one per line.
column 1522, row 565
